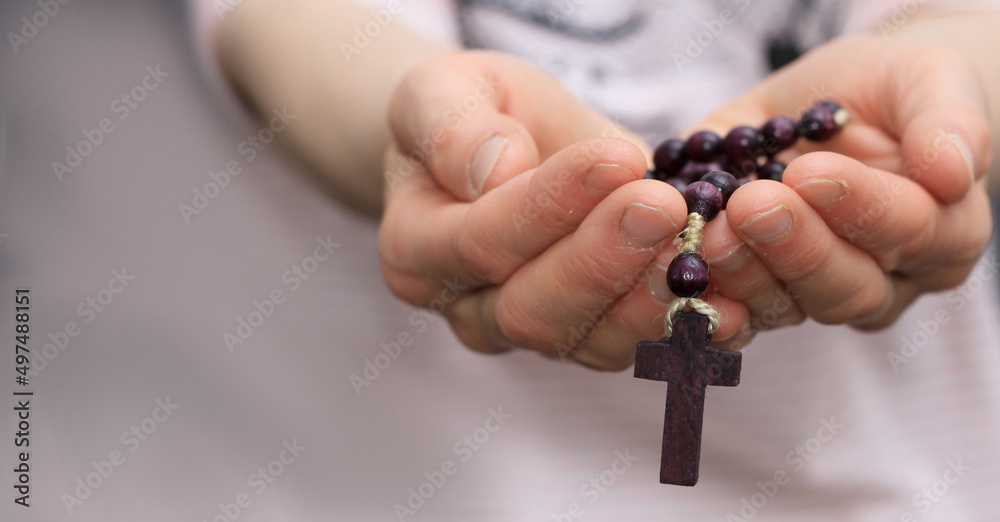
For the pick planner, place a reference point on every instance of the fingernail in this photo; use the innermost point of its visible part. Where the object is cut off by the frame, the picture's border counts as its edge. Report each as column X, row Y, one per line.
column 732, row 260
column 606, row 177
column 822, row 193
column 769, row 227
column 483, row 161
column 966, row 153
column 658, row 283
column 643, row 226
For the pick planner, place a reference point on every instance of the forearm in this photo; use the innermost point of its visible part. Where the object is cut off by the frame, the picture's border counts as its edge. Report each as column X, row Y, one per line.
column 975, row 36
column 282, row 53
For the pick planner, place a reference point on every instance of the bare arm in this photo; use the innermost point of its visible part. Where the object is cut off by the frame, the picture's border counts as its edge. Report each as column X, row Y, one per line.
column 282, row 53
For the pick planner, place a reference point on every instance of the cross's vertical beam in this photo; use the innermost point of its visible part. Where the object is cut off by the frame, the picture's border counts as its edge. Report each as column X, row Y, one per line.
column 686, row 362
column 682, row 421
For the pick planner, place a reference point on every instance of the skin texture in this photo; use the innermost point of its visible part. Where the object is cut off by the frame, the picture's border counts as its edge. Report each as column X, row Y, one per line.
column 533, row 204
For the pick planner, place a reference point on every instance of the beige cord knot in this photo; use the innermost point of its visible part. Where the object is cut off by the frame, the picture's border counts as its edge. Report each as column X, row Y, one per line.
column 691, row 238
column 696, row 305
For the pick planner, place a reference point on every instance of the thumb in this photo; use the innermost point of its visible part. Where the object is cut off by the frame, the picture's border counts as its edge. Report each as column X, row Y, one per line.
column 477, row 119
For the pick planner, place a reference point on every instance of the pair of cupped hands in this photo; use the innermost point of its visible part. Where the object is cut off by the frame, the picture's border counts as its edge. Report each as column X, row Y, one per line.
column 523, row 217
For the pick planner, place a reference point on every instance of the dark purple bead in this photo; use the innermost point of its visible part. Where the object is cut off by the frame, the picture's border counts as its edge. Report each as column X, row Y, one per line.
column 822, row 121
column 651, row 174
column 771, row 170
column 693, row 171
column 743, row 181
column 778, row 134
column 703, row 146
column 743, row 169
column 742, row 146
column 737, row 172
column 669, row 156
column 715, row 165
column 687, row 275
column 678, row 183
column 726, row 182
column 704, row 198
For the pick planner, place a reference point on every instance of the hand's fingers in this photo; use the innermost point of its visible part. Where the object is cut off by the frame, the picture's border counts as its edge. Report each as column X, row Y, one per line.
column 406, row 268
column 639, row 316
column 894, row 219
column 427, row 235
column 603, row 337
column 578, row 279
column 738, row 273
column 832, row 280
column 477, row 119
column 521, row 219
column 922, row 104
column 940, row 115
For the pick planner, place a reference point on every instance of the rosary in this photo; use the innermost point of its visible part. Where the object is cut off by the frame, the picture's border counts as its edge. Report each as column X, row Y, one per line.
column 707, row 169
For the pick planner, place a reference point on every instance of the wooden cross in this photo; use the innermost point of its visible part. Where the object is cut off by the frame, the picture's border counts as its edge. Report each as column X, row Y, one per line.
column 686, row 362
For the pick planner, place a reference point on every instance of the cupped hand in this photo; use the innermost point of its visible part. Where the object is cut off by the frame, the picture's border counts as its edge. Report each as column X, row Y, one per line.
column 520, row 214
column 896, row 207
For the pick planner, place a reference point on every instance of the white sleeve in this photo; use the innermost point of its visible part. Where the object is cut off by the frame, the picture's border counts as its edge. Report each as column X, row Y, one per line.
column 431, row 18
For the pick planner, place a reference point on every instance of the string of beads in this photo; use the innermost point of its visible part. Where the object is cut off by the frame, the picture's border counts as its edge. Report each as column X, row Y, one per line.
column 708, row 168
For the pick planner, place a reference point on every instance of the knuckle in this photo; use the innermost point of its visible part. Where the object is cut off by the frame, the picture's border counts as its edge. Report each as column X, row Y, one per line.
column 947, row 278
column 554, row 212
column 599, row 271
column 479, row 253
column 406, row 287
column 514, row 327
column 470, row 335
column 812, row 259
column 780, row 310
column 868, row 304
